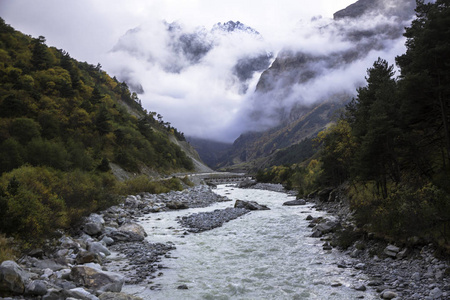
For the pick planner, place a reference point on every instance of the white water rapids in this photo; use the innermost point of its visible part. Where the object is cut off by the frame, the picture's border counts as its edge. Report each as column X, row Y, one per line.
column 261, row 255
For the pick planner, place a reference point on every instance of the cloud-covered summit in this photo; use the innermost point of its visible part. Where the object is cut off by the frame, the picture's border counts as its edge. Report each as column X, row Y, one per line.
column 221, row 81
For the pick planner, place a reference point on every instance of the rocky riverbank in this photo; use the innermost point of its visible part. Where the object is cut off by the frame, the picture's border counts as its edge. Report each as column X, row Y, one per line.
column 396, row 271
column 84, row 266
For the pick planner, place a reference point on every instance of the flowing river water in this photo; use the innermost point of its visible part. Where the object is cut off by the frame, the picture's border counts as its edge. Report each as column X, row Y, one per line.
column 261, row 255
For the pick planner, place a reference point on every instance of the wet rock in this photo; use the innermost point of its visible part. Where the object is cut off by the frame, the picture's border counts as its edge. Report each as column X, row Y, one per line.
column 246, row 183
column 95, row 278
column 176, row 205
column 250, row 205
column 387, row 294
column 296, row 202
column 208, row 220
column 183, row 287
column 117, row 296
column 12, row 277
column 361, row 288
column 336, row 284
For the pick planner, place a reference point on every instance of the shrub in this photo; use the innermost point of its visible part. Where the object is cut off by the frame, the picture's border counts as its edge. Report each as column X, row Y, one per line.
column 7, row 252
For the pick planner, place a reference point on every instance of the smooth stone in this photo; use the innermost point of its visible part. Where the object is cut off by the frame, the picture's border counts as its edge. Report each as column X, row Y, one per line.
column 12, row 277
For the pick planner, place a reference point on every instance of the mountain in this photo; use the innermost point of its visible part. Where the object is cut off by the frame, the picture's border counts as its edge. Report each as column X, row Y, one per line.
column 293, row 101
column 180, row 49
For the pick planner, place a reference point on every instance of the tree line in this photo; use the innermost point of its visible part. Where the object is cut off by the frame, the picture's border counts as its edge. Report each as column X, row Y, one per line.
column 391, row 145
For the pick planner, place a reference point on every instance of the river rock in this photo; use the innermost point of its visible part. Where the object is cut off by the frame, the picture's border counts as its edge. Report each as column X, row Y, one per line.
column 250, row 205
column 361, row 288
column 48, row 264
column 80, row 293
column 117, row 296
column 125, row 236
column 246, row 183
column 296, row 202
column 92, row 228
column 436, row 293
column 95, row 278
column 107, row 240
column 12, row 277
column 36, row 288
column 176, row 205
column 84, row 257
column 387, row 294
column 97, row 247
column 134, row 228
column 391, row 250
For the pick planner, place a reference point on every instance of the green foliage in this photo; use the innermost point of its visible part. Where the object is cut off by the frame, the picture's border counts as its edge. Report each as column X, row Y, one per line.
column 143, row 184
column 7, row 252
column 73, row 112
column 61, row 123
column 39, row 200
column 392, row 144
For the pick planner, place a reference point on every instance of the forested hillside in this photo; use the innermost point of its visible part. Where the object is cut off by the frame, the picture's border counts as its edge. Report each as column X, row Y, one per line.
column 62, row 124
column 392, row 143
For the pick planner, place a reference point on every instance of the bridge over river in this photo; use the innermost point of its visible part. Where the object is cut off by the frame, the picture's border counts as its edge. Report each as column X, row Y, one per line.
column 221, row 177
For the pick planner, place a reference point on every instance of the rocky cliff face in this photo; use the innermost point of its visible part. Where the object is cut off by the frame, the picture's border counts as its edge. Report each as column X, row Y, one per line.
column 367, row 26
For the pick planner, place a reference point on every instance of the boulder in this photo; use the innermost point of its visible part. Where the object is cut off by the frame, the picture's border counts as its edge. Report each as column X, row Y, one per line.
column 36, row 288
column 391, row 251
column 107, row 240
column 97, row 279
column 12, row 278
column 96, row 218
column 295, row 202
column 250, row 205
column 125, row 236
column 326, row 227
column 246, row 183
column 134, row 228
column 84, row 257
column 48, row 264
column 117, row 296
column 97, row 247
column 176, row 205
column 94, row 224
column 387, row 294
column 92, row 228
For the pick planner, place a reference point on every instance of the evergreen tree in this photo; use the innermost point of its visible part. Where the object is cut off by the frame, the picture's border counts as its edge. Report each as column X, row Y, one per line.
column 375, row 123
column 425, row 74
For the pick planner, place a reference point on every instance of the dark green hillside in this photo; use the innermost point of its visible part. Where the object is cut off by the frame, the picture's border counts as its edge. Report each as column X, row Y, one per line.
column 62, row 124
column 57, row 112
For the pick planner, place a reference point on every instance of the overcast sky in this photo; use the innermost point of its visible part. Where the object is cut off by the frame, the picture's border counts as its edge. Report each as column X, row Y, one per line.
column 200, row 100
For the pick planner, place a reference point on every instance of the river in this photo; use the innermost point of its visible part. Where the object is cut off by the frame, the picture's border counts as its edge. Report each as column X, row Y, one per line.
column 261, row 255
